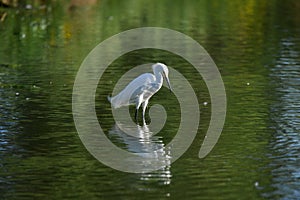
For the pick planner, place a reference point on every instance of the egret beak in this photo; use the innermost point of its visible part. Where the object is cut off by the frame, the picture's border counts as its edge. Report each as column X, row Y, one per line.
column 168, row 81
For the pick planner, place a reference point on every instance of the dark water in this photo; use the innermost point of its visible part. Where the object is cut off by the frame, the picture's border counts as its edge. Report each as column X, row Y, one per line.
column 256, row 46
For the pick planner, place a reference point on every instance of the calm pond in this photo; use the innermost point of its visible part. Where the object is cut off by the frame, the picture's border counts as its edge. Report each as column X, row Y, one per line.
column 256, row 47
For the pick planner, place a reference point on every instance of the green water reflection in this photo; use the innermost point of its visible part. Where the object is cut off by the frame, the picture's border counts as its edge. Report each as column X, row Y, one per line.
column 254, row 43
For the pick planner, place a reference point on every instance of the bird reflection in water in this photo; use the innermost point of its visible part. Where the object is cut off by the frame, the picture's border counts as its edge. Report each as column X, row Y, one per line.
column 142, row 142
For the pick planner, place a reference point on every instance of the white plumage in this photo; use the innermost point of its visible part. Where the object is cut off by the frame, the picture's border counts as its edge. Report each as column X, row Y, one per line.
column 141, row 89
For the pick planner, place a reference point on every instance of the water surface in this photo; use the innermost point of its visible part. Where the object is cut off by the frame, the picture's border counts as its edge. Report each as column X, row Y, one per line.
column 255, row 45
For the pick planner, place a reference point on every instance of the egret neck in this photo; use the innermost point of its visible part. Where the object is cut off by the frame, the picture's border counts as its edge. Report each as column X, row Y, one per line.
column 158, row 77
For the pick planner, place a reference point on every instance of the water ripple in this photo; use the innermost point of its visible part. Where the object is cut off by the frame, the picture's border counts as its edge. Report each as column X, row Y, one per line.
column 285, row 144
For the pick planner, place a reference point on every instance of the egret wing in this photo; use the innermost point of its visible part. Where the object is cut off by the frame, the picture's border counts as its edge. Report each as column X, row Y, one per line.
column 134, row 88
column 146, row 91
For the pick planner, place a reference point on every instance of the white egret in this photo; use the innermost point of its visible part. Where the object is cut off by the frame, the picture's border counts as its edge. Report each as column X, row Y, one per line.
column 141, row 89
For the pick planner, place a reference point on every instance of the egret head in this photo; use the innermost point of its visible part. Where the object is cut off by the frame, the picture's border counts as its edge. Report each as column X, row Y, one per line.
column 163, row 70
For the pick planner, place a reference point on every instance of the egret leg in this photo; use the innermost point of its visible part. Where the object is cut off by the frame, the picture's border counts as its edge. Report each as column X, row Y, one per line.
column 144, row 110
column 136, row 114
column 138, row 104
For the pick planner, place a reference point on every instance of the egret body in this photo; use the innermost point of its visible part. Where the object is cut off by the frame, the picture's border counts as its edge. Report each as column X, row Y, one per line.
column 141, row 89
